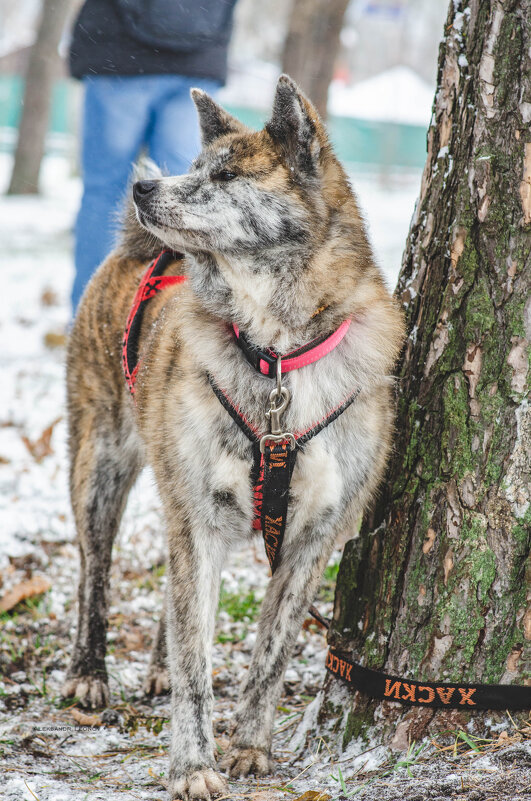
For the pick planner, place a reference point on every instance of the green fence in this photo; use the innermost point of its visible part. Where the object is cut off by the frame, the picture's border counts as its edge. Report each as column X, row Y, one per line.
column 11, row 91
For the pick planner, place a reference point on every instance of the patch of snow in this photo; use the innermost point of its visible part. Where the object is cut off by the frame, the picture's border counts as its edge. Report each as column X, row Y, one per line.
column 359, row 756
column 20, row 790
column 458, row 21
column 307, row 724
column 396, row 95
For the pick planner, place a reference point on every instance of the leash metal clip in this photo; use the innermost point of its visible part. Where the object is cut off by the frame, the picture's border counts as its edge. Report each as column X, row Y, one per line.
column 278, row 403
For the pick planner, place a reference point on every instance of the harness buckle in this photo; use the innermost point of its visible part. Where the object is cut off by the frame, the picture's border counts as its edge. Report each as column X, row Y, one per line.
column 271, row 361
column 277, row 438
column 259, row 359
column 279, row 399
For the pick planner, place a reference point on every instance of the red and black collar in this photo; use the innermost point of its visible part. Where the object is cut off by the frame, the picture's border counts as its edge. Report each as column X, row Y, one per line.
column 265, row 361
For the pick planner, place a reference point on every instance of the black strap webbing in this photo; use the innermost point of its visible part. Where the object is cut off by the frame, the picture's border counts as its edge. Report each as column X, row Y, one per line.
column 435, row 695
column 278, row 464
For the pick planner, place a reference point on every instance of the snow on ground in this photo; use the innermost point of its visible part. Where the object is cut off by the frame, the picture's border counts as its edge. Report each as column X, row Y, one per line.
column 45, row 751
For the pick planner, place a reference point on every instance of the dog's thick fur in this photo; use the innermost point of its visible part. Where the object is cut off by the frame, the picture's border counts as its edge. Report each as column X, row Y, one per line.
column 271, row 233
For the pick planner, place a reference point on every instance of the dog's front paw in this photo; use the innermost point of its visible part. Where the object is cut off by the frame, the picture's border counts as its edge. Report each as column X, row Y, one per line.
column 198, row 785
column 243, row 761
column 157, row 681
column 91, row 691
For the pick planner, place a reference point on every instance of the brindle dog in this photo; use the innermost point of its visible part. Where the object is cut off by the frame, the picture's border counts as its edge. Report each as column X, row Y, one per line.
column 273, row 242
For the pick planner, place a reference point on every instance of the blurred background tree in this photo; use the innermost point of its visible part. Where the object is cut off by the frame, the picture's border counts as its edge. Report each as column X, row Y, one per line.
column 43, row 70
column 311, row 46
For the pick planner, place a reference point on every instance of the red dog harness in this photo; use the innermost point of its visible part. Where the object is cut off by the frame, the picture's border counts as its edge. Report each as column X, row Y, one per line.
column 151, row 284
column 268, row 483
column 273, row 463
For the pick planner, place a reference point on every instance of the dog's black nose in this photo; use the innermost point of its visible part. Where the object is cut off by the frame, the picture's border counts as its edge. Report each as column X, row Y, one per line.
column 143, row 188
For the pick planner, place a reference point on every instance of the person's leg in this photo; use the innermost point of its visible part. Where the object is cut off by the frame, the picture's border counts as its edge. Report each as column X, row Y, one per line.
column 116, row 116
column 173, row 138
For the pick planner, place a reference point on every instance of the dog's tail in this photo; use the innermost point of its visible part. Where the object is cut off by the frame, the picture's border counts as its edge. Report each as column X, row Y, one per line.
column 133, row 241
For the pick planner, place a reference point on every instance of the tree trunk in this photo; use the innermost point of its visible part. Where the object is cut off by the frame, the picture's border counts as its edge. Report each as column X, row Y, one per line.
column 434, row 588
column 43, row 69
column 312, row 44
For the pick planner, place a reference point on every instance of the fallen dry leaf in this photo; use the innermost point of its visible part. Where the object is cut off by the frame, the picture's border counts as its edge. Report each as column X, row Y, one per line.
column 313, row 795
column 26, row 589
column 55, row 339
column 311, row 621
column 41, row 447
column 85, row 720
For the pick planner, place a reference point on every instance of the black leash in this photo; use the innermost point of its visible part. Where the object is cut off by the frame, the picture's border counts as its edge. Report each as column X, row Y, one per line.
column 375, row 683
column 436, row 695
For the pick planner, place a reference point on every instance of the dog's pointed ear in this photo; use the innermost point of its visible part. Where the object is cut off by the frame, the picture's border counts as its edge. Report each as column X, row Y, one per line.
column 295, row 126
column 214, row 121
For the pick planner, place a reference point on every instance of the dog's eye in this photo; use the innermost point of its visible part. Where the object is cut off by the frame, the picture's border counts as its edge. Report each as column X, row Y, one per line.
column 224, row 175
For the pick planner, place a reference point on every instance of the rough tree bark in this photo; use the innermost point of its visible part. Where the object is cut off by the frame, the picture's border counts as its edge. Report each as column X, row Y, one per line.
column 43, row 68
column 312, row 44
column 434, row 588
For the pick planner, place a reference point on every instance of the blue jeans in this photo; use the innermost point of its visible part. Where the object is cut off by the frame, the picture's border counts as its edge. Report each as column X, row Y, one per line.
column 122, row 115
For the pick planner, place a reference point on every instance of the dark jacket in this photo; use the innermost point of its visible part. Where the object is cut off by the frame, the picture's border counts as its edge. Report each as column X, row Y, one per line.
column 152, row 37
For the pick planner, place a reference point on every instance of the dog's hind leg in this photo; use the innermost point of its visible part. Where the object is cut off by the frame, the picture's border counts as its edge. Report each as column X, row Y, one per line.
column 105, row 463
column 157, row 681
